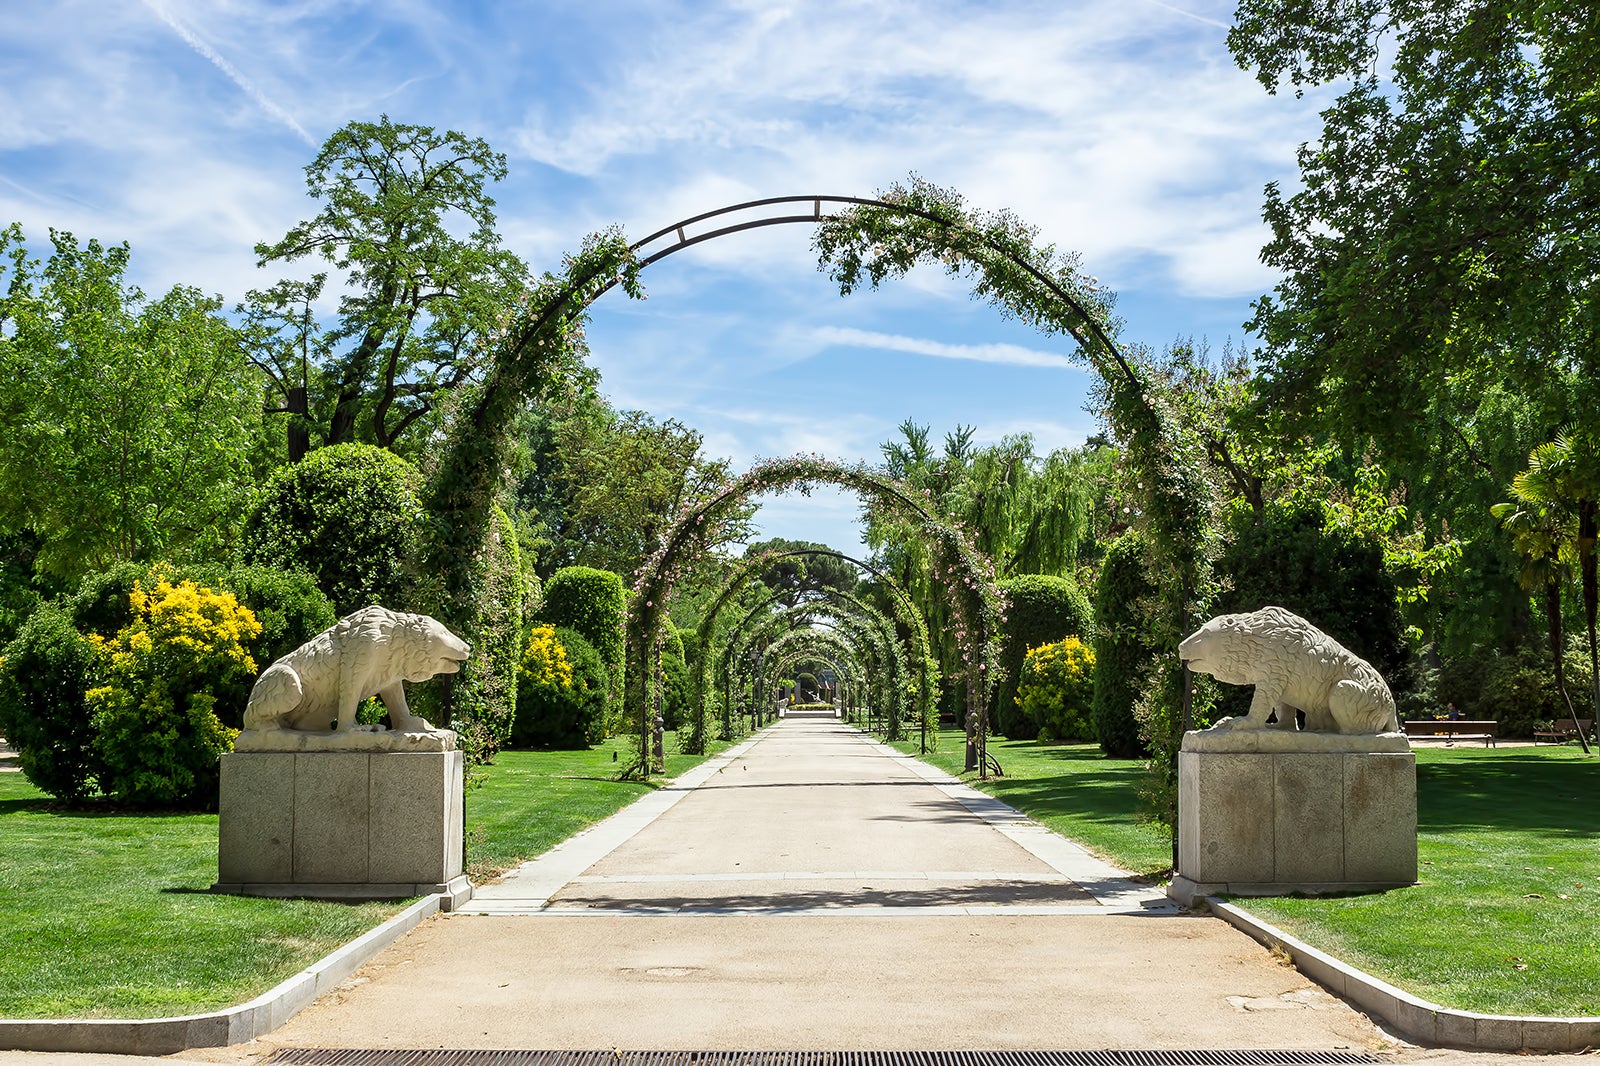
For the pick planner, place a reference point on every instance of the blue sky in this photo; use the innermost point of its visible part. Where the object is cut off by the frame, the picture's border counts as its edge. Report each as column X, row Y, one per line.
column 1120, row 127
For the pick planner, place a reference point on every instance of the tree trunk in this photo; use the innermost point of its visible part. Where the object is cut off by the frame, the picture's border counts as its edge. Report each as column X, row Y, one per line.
column 1552, row 607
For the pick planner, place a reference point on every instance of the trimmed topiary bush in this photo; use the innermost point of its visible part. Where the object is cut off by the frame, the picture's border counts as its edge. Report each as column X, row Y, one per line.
column 46, row 670
column 1123, row 653
column 677, row 690
column 349, row 516
column 158, row 718
column 593, row 603
column 1057, row 690
column 1038, row 610
column 561, row 687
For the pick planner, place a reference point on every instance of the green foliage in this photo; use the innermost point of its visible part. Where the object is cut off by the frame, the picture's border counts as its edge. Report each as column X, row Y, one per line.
column 1123, row 650
column 169, row 678
column 603, row 484
column 1333, row 577
column 1038, row 610
column 349, row 516
column 593, row 603
column 44, row 674
column 129, row 422
column 678, row 691
column 484, row 694
column 1057, row 689
column 404, row 214
column 561, row 691
column 287, row 604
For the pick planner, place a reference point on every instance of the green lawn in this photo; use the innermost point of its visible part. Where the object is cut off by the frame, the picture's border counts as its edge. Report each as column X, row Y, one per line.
column 1505, row 919
column 1071, row 788
column 107, row 914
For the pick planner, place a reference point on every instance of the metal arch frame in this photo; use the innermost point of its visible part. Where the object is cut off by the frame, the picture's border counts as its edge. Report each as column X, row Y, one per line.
column 1088, row 329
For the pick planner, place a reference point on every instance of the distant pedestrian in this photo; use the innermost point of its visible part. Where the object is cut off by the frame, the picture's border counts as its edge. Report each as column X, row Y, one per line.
column 1452, row 714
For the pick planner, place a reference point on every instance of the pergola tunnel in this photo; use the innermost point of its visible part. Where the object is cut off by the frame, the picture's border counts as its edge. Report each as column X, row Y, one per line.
column 882, row 655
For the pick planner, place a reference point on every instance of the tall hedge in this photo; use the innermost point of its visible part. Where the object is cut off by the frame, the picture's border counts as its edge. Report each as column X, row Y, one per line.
column 1038, row 610
column 677, row 690
column 593, row 603
column 1123, row 651
column 484, row 694
column 349, row 516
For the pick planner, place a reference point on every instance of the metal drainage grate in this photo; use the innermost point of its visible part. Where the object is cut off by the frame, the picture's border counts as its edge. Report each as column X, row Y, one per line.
column 444, row 1057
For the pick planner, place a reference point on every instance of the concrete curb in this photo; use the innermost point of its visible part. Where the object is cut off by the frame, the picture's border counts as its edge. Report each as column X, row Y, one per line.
column 1413, row 1018
column 235, row 1025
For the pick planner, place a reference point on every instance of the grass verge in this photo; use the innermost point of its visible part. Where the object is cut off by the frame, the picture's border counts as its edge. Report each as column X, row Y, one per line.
column 107, row 914
column 1502, row 921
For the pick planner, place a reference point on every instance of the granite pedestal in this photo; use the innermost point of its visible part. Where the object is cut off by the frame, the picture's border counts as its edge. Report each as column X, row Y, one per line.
column 1270, row 812
column 342, row 825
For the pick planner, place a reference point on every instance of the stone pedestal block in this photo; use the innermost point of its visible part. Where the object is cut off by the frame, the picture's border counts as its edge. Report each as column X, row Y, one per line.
column 1278, row 822
column 342, row 825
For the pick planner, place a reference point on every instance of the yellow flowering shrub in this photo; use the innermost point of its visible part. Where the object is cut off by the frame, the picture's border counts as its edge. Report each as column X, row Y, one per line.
column 169, row 680
column 561, row 691
column 544, row 661
column 1056, row 689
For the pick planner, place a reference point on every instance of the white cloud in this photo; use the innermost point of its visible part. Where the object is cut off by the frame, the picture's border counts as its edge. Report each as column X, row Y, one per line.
column 246, row 86
column 1008, row 354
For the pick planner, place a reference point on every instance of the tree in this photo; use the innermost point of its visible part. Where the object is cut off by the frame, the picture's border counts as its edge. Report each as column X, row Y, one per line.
column 602, row 485
column 129, row 423
column 422, row 303
column 795, row 573
column 1444, row 238
column 1551, row 520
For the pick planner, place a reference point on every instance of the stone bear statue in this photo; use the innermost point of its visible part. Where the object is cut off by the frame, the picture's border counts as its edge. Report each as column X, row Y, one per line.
column 369, row 653
column 1295, row 667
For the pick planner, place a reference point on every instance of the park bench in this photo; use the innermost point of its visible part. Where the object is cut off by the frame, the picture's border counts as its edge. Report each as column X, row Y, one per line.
column 1454, row 729
column 1565, row 729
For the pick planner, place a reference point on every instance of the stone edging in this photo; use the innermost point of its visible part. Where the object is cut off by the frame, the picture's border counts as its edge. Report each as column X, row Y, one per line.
column 1413, row 1018
column 235, row 1025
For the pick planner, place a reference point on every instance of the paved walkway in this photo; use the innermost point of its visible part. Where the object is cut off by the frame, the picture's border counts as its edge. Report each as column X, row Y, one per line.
column 815, row 889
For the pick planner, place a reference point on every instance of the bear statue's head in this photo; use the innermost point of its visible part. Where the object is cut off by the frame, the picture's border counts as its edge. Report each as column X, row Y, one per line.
column 432, row 649
column 1221, row 648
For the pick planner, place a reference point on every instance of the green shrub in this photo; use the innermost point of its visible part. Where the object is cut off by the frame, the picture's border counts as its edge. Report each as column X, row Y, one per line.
column 561, row 686
column 158, row 726
column 593, row 603
column 349, row 516
column 287, row 604
column 46, row 670
column 677, row 691
column 1038, row 610
column 1057, row 689
column 1123, row 652
column 102, row 603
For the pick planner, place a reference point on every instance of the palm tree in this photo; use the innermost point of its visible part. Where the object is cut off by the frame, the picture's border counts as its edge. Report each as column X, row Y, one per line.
column 1551, row 520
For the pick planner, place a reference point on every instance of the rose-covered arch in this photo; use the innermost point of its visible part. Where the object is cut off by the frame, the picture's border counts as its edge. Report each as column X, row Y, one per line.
column 969, row 576
column 860, row 241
